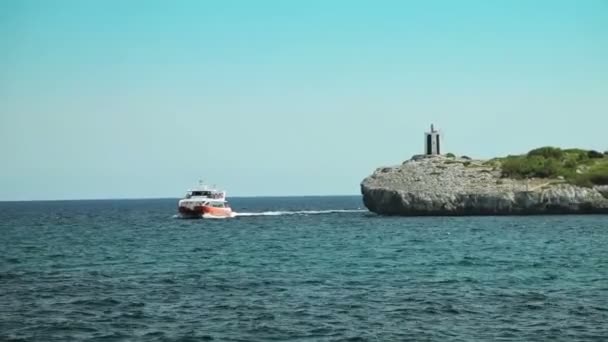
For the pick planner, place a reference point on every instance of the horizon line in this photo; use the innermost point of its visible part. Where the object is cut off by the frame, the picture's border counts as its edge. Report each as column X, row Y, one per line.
column 167, row 198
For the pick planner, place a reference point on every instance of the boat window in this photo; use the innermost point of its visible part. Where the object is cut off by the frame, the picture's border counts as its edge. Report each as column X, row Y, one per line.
column 201, row 193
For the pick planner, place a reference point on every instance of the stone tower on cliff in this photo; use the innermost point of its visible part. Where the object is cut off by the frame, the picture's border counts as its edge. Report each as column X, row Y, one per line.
column 432, row 141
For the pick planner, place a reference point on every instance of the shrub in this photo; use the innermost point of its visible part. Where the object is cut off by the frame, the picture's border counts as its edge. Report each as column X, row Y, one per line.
column 530, row 166
column 576, row 166
column 594, row 154
column 598, row 179
column 466, row 157
column 547, row 152
column 576, row 154
column 575, row 151
column 548, row 168
column 598, row 174
column 513, row 167
column 582, row 157
column 581, row 180
column 570, row 163
column 450, row 155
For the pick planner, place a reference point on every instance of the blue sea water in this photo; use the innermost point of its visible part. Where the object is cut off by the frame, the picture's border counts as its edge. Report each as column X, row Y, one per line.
column 296, row 269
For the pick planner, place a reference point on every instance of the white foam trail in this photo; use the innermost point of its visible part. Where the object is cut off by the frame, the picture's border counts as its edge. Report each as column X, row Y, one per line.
column 300, row 212
column 209, row 216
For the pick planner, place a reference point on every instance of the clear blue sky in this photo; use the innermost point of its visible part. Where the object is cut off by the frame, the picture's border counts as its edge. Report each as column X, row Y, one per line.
column 115, row 99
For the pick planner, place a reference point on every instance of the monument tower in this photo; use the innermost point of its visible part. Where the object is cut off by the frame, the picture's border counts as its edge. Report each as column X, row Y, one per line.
column 432, row 142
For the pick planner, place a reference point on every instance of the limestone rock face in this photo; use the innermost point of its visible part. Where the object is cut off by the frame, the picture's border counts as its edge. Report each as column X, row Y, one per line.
column 603, row 189
column 437, row 185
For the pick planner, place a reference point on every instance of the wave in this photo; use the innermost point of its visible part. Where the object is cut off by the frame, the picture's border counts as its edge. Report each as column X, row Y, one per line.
column 298, row 212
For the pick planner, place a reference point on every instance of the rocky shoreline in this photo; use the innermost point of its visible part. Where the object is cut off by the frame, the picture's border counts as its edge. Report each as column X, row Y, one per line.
column 436, row 185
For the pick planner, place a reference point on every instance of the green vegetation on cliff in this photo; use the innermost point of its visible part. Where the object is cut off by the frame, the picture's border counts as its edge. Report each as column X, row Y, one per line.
column 576, row 166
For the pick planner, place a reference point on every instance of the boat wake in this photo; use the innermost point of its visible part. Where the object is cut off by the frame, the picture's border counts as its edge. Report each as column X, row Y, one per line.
column 210, row 216
column 299, row 212
column 280, row 213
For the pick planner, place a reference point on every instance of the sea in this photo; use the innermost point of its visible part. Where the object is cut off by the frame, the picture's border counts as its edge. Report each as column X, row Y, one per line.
column 296, row 269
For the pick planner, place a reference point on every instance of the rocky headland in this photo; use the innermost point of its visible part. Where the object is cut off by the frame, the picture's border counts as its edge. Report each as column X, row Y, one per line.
column 448, row 185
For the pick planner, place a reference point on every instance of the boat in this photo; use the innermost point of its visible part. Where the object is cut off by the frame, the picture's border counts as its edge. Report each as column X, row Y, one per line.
column 204, row 202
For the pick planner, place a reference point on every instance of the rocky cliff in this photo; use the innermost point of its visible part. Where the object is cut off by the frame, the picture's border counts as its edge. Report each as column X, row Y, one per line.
column 438, row 185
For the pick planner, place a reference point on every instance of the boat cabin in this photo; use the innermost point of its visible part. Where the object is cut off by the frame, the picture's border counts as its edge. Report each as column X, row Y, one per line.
column 205, row 194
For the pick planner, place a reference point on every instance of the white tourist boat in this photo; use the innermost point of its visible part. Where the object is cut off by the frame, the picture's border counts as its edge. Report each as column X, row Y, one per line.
column 206, row 202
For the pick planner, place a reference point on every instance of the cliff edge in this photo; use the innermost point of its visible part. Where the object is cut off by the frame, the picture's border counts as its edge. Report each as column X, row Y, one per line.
column 440, row 185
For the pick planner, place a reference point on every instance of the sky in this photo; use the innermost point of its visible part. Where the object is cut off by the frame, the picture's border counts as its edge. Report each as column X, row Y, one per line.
column 141, row 99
